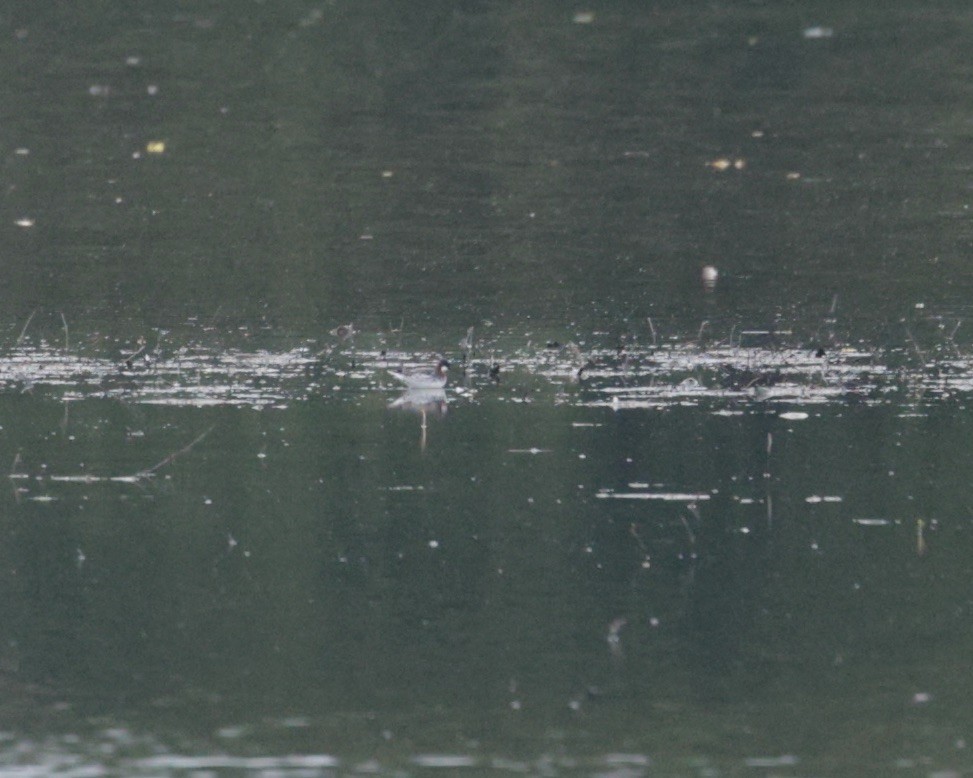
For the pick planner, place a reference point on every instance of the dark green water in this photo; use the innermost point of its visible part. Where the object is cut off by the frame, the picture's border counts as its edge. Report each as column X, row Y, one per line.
column 719, row 552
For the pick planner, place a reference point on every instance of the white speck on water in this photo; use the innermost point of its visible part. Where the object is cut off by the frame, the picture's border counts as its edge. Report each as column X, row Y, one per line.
column 433, row 544
column 872, row 522
column 582, row 456
column 793, row 415
column 785, row 760
column 636, row 760
column 444, row 761
column 666, row 496
column 207, row 501
column 817, row 32
column 921, row 698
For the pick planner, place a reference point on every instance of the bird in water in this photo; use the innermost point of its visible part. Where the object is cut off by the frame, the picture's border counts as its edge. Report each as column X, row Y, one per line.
column 424, row 379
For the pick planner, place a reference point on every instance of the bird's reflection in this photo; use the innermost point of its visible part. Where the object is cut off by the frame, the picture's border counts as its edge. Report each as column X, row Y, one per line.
column 425, row 402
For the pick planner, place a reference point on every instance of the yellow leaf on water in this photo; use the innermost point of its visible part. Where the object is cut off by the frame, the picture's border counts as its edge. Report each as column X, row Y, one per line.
column 155, row 146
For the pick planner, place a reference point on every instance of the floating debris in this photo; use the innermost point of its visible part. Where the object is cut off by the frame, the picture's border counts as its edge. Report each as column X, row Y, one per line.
column 723, row 164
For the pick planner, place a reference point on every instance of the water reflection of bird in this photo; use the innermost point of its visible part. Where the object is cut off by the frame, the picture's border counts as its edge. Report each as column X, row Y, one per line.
column 424, row 379
column 425, row 402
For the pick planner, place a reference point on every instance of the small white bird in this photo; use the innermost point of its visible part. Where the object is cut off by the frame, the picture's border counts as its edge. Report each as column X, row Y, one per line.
column 435, row 379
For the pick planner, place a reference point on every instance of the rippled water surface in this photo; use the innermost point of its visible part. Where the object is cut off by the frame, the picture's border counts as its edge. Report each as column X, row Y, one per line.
column 695, row 499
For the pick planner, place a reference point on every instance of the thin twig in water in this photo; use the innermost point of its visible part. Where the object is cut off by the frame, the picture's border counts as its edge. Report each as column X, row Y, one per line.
column 952, row 337
column 915, row 345
column 216, row 313
column 689, row 530
column 699, row 335
column 128, row 361
column 652, row 330
column 150, row 470
column 26, row 325
column 67, row 343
